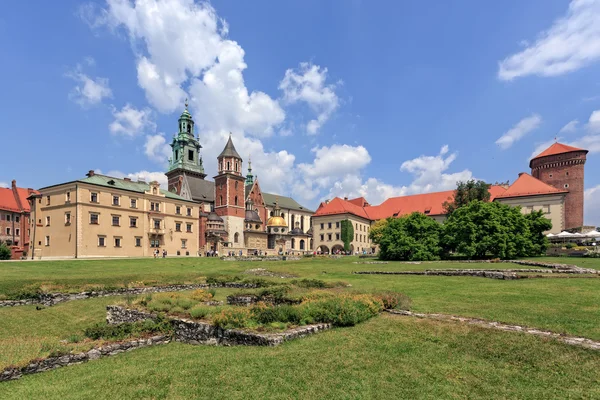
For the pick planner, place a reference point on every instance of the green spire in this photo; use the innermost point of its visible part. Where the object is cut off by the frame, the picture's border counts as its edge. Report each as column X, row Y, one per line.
column 249, row 177
column 186, row 147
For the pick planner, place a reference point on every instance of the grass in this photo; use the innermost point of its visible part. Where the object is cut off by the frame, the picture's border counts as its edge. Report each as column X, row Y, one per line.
column 384, row 357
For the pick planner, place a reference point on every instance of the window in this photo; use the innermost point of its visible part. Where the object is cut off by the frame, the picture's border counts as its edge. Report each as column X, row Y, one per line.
column 8, row 231
column 228, row 165
column 132, row 222
column 47, row 220
column 94, row 197
column 236, row 183
column 177, row 210
column 94, row 218
column 157, row 224
column 337, row 224
column 8, row 217
column 356, row 237
column 138, row 242
column 183, row 243
column 337, row 236
column 154, row 206
column 236, row 237
column 567, row 173
column 133, row 203
column 177, row 226
column 17, row 218
column 236, row 167
column 177, row 154
column 188, row 227
column 68, row 218
column 155, row 243
column 546, row 209
column 189, row 212
column 115, row 220
column 68, row 197
column 101, row 241
column 117, row 242
column 47, row 241
column 566, row 185
column 47, row 200
column 235, row 200
column 550, row 175
column 322, row 237
column 190, row 153
column 322, row 226
column 329, row 237
column 17, row 231
column 116, row 200
column 220, row 200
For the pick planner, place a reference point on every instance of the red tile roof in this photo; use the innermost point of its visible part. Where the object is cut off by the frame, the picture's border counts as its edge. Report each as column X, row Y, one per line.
column 557, row 148
column 427, row 203
column 527, row 185
column 16, row 202
column 359, row 201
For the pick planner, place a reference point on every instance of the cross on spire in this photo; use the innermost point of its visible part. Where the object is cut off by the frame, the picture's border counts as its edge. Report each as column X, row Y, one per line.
column 186, row 103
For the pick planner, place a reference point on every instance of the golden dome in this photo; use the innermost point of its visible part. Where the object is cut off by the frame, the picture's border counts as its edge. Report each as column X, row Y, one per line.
column 276, row 221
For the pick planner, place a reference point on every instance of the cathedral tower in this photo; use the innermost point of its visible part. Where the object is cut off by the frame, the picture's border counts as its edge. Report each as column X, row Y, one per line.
column 230, row 193
column 186, row 159
column 562, row 166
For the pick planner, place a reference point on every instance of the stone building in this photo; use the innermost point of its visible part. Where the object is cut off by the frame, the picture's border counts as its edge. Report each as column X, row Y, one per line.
column 103, row 216
column 234, row 209
column 14, row 219
column 555, row 186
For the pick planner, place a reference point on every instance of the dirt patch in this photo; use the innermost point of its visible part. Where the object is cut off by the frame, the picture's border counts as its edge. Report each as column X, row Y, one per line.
column 266, row 272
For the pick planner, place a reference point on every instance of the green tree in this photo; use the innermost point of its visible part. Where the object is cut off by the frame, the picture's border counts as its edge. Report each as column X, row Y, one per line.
column 376, row 231
column 347, row 233
column 5, row 252
column 415, row 237
column 467, row 192
column 479, row 230
column 538, row 224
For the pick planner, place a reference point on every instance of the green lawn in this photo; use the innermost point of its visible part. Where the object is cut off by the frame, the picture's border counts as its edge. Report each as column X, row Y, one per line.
column 386, row 357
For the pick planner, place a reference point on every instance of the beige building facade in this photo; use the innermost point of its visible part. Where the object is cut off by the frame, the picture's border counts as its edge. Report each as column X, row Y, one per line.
column 102, row 216
column 327, row 234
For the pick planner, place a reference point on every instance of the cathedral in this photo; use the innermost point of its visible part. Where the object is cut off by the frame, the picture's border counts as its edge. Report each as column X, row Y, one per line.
column 235, row 214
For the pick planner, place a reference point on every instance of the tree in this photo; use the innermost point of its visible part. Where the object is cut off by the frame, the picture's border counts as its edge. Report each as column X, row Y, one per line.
column 467, row 192
column 415, row 237
column 347, row 233
column 480, row 230
column 5, row 253
column 376, row 231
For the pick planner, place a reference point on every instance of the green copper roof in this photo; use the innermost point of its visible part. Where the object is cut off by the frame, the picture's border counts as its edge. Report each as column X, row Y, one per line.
column 283, row 202
column 229, row 150
column 117, row 183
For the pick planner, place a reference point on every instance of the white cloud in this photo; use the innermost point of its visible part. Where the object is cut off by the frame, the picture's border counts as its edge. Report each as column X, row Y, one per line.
column 590, row 141
column 592, row 206
column 130, row 121
column 88, row 91
column 593, row 125
column 374, row 190
column 3, row 185
column 569, row 127
column 157, row 148
column 335, row 161
column 522, row 128
column 572, row 42
column 307, row 84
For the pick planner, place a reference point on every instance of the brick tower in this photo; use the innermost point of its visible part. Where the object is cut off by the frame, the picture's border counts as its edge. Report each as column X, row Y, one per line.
column 562, row 166
column 229, row 194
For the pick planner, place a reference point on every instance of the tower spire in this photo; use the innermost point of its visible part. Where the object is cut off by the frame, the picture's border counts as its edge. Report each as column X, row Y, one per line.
column 249, row 176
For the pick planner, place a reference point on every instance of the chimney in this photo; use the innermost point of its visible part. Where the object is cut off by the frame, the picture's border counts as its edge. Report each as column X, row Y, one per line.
column 521, row 173
column 90, row 173
column 127, row 179
column 346, row 198
column 14, row 184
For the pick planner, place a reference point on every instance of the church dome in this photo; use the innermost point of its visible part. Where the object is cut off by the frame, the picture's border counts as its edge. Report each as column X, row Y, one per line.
column 276, row 222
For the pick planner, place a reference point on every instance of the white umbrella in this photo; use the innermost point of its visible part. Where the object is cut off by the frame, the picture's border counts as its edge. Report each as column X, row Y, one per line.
column 550, row 235
column 565, row 234
column 593, row 234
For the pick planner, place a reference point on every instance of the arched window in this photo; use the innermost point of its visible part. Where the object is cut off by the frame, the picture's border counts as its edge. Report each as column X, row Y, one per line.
column 236, row 237
column 293, row 221
column 235, row 200
column 270, row 215
column 236, row 166
column 301, row 244
column 176, row 154
column 236, row 184
column 189, row 128
column 282, row 215
column 220, row 200
column 293, row 243
column 228, row 165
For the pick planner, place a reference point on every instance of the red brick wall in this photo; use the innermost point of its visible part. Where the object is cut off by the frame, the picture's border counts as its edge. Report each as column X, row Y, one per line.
column 256, row 196
column 565, row 172
column 225, row 189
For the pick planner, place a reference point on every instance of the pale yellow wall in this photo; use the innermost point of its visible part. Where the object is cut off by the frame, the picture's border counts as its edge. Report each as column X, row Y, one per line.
column 81, row 238
column 553, row 206
column 256, row 241
column 361, row 232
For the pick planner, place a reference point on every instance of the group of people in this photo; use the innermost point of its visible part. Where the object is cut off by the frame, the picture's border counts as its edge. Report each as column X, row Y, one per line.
column 157, row 253
column 212, row 253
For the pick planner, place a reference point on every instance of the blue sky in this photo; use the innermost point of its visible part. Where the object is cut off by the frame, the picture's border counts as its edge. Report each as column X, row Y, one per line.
column 329, row 98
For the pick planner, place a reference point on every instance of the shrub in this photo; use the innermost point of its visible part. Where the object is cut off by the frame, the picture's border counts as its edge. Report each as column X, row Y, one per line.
column 5, row 253
column 202, row 295
column 221, row 279
column 232, row 318
column 199, row 311
column 277, row 293
column 342, row 310
column 570, row 245
column 264, row 314
column 158, row 305
column 125, row 330
column 309, row 283
column 394, row 300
